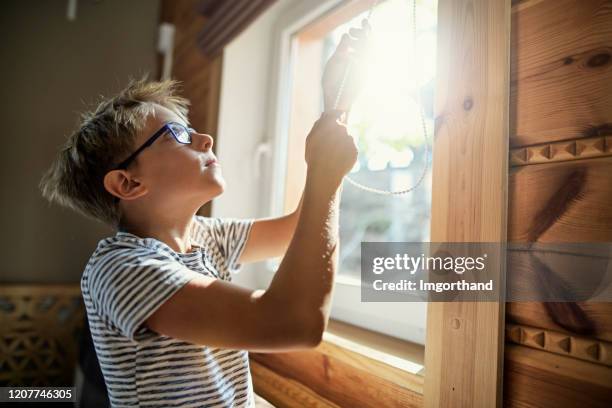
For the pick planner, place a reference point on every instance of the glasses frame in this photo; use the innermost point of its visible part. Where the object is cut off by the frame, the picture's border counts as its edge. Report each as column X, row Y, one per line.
column 162, row 131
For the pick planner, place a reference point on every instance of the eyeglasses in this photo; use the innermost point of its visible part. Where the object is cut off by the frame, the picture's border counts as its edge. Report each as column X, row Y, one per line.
column 181, row 133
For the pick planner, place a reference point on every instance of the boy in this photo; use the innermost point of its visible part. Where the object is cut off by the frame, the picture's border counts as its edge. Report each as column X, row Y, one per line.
column 169, row 327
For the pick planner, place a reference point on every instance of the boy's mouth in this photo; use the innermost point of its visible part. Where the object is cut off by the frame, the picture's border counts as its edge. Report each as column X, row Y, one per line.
column 211, row 161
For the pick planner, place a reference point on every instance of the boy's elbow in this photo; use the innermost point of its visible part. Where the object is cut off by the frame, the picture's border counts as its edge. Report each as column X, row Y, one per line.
column 301, row 327
column 315, row 339
column 312, row 330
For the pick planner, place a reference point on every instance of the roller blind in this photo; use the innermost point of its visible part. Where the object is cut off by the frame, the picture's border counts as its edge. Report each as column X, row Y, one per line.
column 227, row 19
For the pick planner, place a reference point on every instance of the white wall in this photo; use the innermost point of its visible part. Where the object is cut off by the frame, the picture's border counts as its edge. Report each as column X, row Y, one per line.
column 243, row 117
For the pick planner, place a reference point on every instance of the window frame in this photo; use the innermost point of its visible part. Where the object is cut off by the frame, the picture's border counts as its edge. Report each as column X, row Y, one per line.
column 482, row 135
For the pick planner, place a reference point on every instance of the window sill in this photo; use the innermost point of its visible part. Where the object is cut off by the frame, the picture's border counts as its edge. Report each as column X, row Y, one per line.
column 348, row 368
column 398, row 361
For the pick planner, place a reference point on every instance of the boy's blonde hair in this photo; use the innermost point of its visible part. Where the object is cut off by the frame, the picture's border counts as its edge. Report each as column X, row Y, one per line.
column 104, row 138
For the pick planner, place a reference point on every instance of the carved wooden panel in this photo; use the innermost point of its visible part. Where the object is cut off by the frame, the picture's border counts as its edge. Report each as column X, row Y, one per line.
column 561, row 70
column 588, row 319
column 583, row 348
column 599, row 146
column 40, row 328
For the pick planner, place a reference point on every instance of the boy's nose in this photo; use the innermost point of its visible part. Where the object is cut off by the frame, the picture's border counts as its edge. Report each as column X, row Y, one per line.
column 202, row 141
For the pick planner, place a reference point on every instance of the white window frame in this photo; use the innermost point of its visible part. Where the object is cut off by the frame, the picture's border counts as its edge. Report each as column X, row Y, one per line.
column 402, row 320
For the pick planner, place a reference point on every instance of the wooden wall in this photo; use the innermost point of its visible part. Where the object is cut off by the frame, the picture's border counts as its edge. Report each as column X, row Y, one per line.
column 560, row 190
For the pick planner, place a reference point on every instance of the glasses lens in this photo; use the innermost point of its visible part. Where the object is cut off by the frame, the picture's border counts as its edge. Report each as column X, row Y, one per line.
column 182, row 134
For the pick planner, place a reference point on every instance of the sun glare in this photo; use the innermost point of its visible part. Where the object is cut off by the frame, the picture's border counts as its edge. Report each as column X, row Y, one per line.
column 386, row 117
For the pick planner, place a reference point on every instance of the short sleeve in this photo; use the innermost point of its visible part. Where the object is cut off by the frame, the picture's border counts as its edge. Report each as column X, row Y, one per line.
column 130, row 285
column 228, row 235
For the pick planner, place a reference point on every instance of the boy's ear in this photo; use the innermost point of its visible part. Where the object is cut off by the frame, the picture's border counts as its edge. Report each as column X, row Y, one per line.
column 121, row 184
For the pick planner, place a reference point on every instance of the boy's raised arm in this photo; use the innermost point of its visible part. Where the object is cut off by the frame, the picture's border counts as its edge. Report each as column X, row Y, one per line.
column 294, row 310
column 270, row 237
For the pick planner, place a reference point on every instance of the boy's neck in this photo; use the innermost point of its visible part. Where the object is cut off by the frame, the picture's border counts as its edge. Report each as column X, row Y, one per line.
column 176, row 233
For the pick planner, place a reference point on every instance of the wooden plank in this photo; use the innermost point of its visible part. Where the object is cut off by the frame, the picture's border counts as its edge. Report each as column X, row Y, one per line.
column 403, row 378
column 561, row 76
column 284, row 392
column 208, row 7
column 339, row 381
column 355, row 353
column 227, row 22
column 536, row 378
column 537, row 277
column 463, row 354
column 371, row 340
column 561, row 202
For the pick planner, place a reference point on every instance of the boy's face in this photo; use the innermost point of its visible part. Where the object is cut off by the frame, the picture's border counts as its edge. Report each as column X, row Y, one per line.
column 175, row 173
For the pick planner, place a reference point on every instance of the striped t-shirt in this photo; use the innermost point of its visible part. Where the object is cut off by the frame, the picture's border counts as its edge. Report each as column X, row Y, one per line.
column 126, row 279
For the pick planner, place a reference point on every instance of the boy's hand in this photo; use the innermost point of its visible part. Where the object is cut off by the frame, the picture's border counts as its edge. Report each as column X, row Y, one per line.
column 351, row 48
column 330, row 151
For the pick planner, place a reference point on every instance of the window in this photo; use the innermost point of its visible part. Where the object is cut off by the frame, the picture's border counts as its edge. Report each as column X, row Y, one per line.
column 385, row 120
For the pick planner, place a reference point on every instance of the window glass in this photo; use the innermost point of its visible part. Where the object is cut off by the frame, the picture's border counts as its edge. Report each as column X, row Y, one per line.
column 385, row 120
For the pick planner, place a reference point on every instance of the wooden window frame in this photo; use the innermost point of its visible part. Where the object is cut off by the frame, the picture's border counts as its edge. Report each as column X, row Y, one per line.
column 469, row 202
column 464, row 347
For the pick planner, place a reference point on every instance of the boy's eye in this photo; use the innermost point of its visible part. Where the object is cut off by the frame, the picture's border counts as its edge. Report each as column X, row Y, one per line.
column 184, row 136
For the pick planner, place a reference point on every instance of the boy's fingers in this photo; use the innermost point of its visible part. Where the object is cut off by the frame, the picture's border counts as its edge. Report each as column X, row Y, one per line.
column 366, row 25
column 347, row 44
column 335, row 121
column 342, row 125
column 330, row 116
column 360, row 37
column 344, row 44
column 357, row 33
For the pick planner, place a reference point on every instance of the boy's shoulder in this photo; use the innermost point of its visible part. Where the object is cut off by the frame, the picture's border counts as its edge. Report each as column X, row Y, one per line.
column 125, row 244
column 125, row 249
column 220, row 232
column 206, row 228
column 131, row 247
column 221, row 240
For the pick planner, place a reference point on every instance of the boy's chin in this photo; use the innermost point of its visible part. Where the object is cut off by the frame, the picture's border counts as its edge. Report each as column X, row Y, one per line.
column 215, row 190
